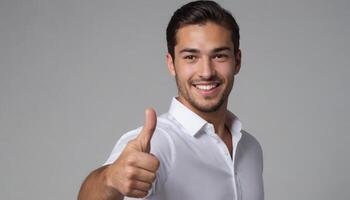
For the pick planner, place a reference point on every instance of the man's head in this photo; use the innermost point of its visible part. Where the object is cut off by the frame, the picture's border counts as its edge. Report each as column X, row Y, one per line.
column 203, row 55
column 200, row 12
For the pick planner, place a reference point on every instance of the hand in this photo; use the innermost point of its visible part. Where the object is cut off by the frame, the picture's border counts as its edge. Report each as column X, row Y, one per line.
column 133, row 173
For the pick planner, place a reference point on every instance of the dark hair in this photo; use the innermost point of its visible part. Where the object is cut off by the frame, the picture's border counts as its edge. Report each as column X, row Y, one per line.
column 200, row 12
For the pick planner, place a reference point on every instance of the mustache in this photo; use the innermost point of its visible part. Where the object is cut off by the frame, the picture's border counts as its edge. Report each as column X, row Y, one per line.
column 210, row 79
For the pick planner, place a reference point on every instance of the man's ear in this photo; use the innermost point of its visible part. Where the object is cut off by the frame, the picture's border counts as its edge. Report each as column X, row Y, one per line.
column 170, row 64
column 238, row 59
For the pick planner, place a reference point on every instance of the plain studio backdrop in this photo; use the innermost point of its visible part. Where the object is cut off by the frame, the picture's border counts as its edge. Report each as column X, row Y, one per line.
column 76, row 75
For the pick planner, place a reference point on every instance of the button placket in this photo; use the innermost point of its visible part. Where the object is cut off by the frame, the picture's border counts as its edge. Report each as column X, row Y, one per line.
column 223, row 149
column 209, row 129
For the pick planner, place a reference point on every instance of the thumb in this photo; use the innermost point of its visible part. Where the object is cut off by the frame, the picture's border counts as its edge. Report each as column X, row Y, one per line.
column 147, row 131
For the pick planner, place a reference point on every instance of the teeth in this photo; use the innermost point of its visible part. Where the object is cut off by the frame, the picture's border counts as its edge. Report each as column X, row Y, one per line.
column 205, row 87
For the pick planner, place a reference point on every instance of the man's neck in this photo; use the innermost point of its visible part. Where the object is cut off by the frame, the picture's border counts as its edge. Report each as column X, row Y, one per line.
column 217, row 117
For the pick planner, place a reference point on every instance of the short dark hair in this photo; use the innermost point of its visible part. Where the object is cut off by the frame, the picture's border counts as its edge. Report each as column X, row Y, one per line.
column 200, row 12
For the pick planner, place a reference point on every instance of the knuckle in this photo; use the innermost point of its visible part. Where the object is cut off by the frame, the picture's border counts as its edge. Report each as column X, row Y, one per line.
column 143, row 194
column 128, row 186
column 148, row 186
column 153, row 177
column 140, row 194
column 150, row 129
column 131, row 141
column 131, row 144
column 125, row 191
column 128, row 193
column 157, row 163
column 130, row 173
column 130, row 160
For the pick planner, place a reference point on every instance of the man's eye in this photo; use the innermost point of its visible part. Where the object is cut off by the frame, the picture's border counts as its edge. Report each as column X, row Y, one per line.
column 190, row 57
column 220, row 57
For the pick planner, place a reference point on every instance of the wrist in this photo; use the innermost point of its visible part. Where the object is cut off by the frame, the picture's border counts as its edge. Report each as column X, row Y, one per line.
column 106, row 177
column 111, row 189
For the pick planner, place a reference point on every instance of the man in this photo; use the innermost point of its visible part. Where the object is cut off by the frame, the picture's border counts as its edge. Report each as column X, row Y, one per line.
column 196, row 151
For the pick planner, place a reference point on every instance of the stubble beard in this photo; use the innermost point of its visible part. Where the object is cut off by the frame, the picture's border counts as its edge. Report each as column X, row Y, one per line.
column 194, row 103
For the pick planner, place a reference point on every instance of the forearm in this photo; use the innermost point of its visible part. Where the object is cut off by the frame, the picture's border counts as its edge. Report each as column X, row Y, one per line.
column 95, row 187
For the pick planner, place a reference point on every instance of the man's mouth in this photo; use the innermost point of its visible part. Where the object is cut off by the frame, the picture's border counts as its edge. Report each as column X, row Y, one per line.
column 207, row 88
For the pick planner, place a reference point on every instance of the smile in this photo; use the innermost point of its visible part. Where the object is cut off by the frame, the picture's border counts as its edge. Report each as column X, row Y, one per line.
column 207, row 88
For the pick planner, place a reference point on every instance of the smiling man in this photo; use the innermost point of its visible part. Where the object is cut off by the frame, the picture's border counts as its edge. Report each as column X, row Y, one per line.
column 197, row 150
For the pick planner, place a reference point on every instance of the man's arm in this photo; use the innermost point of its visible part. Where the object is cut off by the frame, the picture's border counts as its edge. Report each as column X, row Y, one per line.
column 95, row 187
column 132, row 174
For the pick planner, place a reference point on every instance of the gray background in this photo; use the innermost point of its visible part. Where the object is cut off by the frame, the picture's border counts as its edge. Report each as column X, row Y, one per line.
column 75, row 75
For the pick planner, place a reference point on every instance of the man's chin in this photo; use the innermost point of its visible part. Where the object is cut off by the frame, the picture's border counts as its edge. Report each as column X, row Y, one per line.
column 207, row 106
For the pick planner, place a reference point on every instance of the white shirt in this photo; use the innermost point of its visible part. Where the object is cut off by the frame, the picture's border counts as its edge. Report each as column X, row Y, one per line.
column 195, row 164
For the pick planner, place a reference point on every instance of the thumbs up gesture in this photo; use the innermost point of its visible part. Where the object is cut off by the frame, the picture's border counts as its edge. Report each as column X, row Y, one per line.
column 133, row 173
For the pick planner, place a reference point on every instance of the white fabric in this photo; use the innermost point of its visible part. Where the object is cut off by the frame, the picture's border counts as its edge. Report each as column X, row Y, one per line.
column 195, row 163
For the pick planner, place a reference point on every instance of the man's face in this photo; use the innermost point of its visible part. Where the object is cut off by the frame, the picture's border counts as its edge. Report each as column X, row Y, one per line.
column 204, row 66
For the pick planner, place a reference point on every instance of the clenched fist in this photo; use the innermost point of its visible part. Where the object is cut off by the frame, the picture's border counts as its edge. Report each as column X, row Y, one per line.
column 133, row 173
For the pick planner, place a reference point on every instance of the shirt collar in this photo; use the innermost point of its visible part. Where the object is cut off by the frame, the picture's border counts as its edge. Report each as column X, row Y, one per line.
column 186, row 117
column 234, row 124
column 193, row 123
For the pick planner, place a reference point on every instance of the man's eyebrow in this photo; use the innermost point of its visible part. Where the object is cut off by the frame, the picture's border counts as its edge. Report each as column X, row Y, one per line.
column 221, row 49
column 192, row 50
column 189, row 50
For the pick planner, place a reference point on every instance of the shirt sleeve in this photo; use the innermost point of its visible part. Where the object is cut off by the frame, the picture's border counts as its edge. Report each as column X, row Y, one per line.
column 121, row 144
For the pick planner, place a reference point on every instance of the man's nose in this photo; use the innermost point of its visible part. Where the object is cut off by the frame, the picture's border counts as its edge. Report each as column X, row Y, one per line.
column 206, row 69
